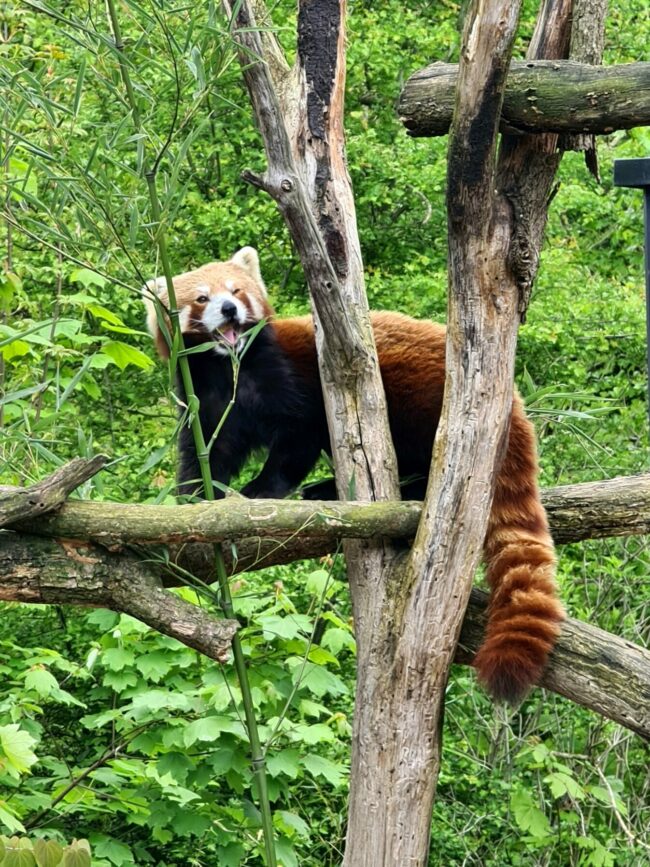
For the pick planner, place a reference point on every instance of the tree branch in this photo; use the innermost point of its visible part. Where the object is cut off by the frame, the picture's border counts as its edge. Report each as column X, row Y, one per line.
column 587, row 45
column 592, row 510
column 595, row 510
column 66, row 572
column 36, row 500
column 598, row 670
column 528, row 164
column 602, row 99
column 591, row 667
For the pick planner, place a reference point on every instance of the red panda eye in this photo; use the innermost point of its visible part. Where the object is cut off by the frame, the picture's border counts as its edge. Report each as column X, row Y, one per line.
column 235, row 291
column 202, row 299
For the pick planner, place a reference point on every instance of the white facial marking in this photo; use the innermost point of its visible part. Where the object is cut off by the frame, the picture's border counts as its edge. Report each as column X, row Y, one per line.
column 203, row 289
column 230, row 285
column 256, row 307
column 213, row 318
column 184, row 319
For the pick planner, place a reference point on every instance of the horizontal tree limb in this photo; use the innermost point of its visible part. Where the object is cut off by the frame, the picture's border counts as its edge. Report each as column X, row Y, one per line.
column 541, row 96
column 615, row 507
column 66, row 572
column 593, row 668
column 596, row 510
column 116, row 524
column 36, row 500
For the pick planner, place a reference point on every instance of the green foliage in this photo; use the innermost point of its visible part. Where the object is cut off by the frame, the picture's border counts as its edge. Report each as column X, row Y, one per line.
column 24, row 852
column 161, row 756
column 110, row 731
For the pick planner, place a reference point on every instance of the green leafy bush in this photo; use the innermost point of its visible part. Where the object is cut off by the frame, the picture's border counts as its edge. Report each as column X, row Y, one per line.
column 24, row 852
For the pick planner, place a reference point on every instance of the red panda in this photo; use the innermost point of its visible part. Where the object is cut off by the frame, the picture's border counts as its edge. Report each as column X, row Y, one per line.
column 279, row 405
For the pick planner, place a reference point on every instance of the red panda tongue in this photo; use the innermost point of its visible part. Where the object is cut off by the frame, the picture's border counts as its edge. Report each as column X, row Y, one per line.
column 230, row 336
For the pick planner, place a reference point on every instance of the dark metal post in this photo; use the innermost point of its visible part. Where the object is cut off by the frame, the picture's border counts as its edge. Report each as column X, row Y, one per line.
column 636, row 173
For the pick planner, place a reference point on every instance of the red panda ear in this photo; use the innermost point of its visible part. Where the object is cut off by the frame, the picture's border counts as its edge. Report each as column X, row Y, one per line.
column 157, row 287
column 248, row 259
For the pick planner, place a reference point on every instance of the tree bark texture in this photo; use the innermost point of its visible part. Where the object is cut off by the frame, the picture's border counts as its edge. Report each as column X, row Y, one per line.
column 599, row 509
column 587, row 45
column 588, row 30
column 562, row 96
column 528, row 164
column 600, row 671
column 299, row 112
column 31, row 502
column 408, row 607
column 586, row 662
column 71, row 572
column 591, row 510
column 404, row 670
column 300, row 115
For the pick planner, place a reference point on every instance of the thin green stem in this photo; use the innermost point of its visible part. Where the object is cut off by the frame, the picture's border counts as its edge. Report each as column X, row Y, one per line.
column 258, row 762
column 228, row 409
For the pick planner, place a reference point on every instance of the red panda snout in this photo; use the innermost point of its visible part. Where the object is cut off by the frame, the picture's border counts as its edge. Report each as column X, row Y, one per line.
column 221, row 310
column 229, row 310
column 225, row 317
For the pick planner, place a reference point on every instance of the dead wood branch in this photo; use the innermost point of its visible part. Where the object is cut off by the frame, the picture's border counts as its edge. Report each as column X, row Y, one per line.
column 592, row 510
column 589, row 666
column 66, row 572
column 33, row 501
column 598, row 670
column 587, row 45
column 601, row 99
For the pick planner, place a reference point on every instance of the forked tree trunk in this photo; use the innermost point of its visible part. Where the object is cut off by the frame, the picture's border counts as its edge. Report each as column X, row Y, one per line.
column 399, row 716
column 408, row 609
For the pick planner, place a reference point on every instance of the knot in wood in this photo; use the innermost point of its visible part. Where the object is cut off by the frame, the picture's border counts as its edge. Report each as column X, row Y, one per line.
column 286, row 185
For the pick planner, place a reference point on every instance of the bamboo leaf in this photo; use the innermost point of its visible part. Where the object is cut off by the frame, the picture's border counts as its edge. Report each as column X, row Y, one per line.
column 122, row 354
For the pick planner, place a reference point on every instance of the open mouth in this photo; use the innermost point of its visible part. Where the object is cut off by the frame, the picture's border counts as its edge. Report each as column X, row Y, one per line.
column 229, row 334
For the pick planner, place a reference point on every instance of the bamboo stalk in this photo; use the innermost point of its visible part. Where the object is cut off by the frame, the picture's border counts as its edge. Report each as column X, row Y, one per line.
column 203, row 454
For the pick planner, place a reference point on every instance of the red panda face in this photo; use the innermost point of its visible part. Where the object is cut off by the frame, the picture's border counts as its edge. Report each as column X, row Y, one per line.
column 220, row 301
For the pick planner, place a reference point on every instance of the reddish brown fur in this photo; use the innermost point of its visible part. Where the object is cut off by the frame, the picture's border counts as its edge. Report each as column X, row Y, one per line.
column 524, row 612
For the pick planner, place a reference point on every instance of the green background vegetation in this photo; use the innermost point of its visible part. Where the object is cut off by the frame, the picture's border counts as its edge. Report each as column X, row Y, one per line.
column 150, row 732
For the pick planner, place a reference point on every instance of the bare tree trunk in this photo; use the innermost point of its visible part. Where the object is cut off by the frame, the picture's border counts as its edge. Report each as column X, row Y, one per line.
column 300, row 114
column 407, row 665
column 408, row 608
column 307, row 176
